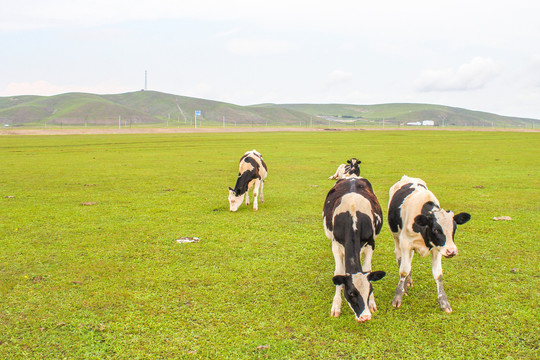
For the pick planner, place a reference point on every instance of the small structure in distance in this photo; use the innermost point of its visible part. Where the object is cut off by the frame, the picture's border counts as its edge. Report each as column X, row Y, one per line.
column 421, row 123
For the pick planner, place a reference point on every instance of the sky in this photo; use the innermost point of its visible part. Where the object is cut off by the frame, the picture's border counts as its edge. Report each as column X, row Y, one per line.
column 479, row 55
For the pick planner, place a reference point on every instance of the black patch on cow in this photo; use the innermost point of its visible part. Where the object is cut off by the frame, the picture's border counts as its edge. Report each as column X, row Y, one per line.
column 376, row 275
column 365, row 230
column 346, row 235
column 247, row 176
column 394, row 210
column 462, row 218
column 253, row 163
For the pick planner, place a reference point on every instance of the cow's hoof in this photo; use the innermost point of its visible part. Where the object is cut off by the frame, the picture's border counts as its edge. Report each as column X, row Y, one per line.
column 396, row 303
column 335, row 311
column 447, row 310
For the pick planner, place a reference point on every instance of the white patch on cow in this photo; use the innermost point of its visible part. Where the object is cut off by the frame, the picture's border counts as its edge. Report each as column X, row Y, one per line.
column 446, row 221
column 329, row 234
column 353, row 202
column 235, row 201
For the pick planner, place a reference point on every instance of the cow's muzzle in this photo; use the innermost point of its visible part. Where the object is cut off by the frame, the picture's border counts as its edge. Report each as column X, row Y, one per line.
column 449, row 253
column 363, row 318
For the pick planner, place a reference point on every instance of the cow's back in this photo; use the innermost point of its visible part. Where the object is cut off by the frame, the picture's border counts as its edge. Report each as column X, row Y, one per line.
column 253, row 161
column 352, row 195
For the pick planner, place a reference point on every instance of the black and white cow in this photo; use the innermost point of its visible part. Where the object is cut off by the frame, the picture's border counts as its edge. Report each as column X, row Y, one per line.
column 347, row 170
column 420, row 225
column 251, row 174
column 352, row 218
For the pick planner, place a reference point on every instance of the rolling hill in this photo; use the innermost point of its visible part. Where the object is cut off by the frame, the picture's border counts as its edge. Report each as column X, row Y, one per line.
column 152, row 107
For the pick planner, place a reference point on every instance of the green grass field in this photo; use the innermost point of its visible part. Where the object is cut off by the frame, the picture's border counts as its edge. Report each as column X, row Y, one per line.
column 108, row 280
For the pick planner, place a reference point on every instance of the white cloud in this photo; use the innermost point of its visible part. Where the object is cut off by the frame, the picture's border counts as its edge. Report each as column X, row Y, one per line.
column 473, row 75
column 337, row 77
column 258, row 47
column 227, row 33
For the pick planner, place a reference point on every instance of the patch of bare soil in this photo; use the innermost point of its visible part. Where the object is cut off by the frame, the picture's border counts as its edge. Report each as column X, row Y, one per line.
column 84, row 131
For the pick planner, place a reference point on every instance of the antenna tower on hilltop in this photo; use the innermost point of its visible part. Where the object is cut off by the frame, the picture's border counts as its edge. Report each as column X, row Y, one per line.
column 145, row 80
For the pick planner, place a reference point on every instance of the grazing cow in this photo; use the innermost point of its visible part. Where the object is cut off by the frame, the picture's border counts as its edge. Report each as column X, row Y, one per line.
column 419, row 224
column 251, row 174
column 347, row 170
column 352, row 218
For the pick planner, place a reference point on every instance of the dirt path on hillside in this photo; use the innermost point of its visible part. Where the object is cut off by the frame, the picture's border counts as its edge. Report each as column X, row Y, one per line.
column 85, row 131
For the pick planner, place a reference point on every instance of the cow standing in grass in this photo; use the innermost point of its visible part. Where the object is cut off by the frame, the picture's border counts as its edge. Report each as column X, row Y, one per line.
column 343, row 171
column 251, row 174
column 419, row 224
column 352, row 218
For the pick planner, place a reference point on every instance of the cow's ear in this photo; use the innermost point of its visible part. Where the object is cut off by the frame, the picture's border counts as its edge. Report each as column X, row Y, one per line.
column 376, row 275
column 348, row 161
column 421, row 220
column 462, row 218
column 230, row 189
column 340, row 279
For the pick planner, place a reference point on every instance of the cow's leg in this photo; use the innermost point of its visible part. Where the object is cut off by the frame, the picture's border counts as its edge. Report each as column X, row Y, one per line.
column 250, row 186
column 261, row 196
column 437, row 275
column 366, row 267
column 247, row 195
column 368, row 254
column 256, row 186
column 339, row 255
column 397, row 249
column 397, row 252
column 408, row 281
column 404, row 273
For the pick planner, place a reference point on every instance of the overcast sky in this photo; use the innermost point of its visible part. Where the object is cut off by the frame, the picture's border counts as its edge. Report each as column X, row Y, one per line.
column 479, row 55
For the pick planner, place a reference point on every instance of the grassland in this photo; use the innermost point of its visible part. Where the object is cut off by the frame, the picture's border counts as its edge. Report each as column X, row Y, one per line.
column 108, row 280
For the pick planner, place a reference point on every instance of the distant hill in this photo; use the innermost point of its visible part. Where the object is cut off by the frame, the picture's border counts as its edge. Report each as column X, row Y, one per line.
column 151, row 107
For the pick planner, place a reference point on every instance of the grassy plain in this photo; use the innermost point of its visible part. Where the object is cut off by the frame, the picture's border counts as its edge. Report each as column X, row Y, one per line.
column 108, row 280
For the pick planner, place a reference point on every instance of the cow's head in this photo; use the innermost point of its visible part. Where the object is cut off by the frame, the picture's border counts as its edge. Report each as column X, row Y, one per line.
column 354, row 168
column 438, row 229
column 234, row 200
column 358, row 290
